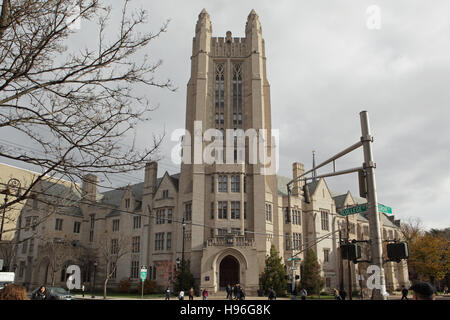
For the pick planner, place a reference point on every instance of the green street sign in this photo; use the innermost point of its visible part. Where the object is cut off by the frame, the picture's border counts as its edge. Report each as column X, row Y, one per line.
column 295, row 259
column 363, row 208
column 143, row 274
column 383, row 208
column 353, row 210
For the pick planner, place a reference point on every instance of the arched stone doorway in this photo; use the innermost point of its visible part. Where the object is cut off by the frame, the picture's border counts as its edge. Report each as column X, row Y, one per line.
column 228, row 271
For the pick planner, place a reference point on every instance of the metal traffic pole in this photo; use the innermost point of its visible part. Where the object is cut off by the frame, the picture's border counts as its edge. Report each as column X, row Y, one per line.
column 372, row 201
column 348, row 263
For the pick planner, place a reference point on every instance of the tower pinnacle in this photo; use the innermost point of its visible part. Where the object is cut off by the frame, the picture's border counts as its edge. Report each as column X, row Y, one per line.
column 253, row 22
column 203, row 22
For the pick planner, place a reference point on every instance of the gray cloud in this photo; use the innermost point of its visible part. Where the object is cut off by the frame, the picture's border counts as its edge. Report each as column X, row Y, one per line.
column 324, row 67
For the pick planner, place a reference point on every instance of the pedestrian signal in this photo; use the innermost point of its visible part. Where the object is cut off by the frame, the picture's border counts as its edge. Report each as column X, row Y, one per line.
column 351, row 251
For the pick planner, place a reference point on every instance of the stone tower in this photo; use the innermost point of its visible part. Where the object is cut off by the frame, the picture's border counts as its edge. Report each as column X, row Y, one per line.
column 228, row 89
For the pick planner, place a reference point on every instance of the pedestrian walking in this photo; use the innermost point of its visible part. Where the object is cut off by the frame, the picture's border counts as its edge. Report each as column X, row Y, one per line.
column 181, row 295
column 272, row 294
column 238, row 291
column 167, row 293
column 82, row 289
column 205, row 294
column 404, row 293
column 343, row 294
column 191, row 293
column 336, row 294
column 304, row 294
column 41, row 294
column 228, row 289
column 242, row 293
column 235, row 290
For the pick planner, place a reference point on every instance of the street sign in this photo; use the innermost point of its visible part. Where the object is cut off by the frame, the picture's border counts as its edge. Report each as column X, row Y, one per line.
column 295, row 259
column 383, row 208
column 363, row 208
column 143, row 274
column 353, row 210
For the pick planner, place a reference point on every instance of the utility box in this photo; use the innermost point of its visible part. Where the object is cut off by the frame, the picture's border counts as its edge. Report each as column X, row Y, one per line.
column 397, row 251
column 351, row 251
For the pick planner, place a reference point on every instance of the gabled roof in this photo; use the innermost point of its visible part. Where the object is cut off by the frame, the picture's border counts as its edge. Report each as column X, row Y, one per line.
column 173, row 178
column 114, row 197
column 340, row 200
column 66, row 197
column 282, row 185
column 312, row 186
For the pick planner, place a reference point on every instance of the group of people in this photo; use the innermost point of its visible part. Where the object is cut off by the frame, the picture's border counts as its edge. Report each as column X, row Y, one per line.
column 303, row 294
column 235, row 292
column 191, row 294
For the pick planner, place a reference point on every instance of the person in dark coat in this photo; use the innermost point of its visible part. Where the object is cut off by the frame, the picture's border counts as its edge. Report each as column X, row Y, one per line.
column 404, row 293
column 228, row 291
column 343, row 294
column 41, row 294
column 235, row 291
column 272, row 294
column 242, row 293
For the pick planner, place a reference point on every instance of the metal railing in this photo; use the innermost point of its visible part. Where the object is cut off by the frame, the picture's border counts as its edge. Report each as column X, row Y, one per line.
column 230, row 241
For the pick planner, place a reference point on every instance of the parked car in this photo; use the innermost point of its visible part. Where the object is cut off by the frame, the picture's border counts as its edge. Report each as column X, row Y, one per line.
column 56, row 293
column 6, row 277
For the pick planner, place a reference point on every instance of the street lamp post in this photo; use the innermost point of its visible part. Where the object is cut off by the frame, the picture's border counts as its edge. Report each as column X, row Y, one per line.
column 95, row 272
column 182, row 255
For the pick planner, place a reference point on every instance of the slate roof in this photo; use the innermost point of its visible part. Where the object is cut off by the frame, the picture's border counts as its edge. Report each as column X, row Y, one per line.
column 339, row 200
column 67, row 197
column 114, row 197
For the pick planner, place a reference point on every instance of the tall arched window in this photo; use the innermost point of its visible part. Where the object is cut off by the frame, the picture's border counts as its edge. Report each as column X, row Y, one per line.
column 237, row 95
column 219, row 96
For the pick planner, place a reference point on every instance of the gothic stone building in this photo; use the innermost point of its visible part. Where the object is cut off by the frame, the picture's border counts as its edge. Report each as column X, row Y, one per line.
column 232, row 212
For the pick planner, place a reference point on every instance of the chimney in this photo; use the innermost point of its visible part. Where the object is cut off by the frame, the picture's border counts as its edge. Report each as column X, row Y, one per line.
column 89, row 187
column 297, row 170
column 150, row 179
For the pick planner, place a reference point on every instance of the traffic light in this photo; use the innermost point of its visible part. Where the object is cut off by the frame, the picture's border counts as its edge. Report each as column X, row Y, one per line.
column 351, row 251
column 397, row 251
column 362, row 184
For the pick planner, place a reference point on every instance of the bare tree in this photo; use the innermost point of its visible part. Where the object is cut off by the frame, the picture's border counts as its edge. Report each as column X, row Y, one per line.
column 112, row 247
column 74, row 106
column 58, row 252
column 411, row 229
column 6, row 254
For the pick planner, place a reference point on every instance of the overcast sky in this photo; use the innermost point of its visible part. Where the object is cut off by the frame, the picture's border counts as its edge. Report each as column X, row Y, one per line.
column 324, row 66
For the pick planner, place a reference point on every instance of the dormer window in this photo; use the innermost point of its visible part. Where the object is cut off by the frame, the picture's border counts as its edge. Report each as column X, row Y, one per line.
column 165, row 194
column 127, row 203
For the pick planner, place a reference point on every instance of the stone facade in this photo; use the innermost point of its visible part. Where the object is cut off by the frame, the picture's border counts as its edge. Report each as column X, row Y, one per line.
column 231, row 214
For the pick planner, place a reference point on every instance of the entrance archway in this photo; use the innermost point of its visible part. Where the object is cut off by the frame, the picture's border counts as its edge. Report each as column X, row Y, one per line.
column 229, row 271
